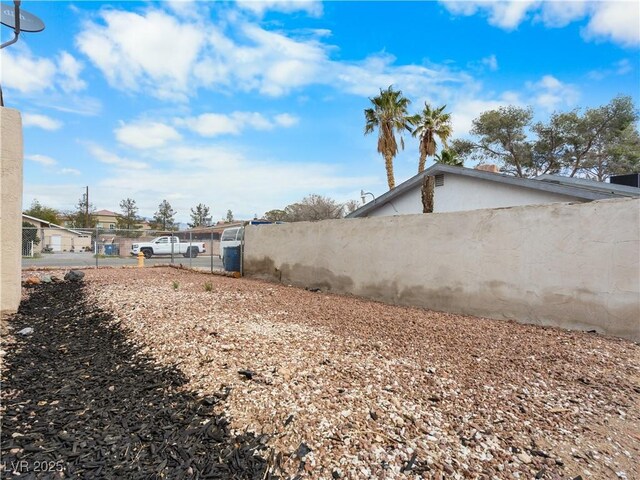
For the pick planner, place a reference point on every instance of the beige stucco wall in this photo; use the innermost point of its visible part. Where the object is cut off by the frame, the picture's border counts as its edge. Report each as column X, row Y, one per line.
column 11, row 156
column 575, row 266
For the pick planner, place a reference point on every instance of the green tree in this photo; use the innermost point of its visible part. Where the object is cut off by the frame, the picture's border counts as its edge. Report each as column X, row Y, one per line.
column 592, row 134
column 83, row 216
column 503, row 137
column 48, row 214
column 431, row 124
column 229, row 216
column 200, row 216
column 164, row 218
column 275, row 215
column 128, row 219
column 390, row 116
column 449, row 157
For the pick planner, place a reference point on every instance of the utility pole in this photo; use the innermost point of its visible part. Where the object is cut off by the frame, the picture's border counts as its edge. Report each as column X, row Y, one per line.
column 86, row 209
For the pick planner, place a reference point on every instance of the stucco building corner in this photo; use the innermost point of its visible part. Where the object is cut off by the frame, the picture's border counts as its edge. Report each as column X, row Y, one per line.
column 11, row 158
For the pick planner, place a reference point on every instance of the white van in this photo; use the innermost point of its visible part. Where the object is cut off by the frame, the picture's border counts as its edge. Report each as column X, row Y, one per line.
column 231, row 237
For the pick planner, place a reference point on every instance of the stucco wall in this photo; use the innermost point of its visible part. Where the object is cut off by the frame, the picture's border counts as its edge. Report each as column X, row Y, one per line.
column 570, row 265
column 11, row 155
column 461, row 193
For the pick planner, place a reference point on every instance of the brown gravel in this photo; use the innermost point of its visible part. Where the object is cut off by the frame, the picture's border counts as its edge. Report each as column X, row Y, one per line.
column 379, row 391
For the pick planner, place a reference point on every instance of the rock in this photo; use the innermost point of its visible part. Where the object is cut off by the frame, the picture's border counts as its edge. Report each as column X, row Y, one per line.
column 524, row 458
column 26, row 331
column 248, row 374
column 46, row 279
column 373, row 414
column 32, row 281
column 74, row 276
column 55, row 279
column 302, row 450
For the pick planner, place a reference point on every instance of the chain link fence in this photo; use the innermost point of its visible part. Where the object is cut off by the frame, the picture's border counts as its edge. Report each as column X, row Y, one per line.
column 68, row 247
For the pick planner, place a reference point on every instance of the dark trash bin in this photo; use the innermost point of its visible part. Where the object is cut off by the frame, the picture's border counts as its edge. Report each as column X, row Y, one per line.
column 231, row 259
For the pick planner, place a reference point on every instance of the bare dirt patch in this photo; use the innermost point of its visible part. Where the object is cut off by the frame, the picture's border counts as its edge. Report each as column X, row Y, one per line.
column 349, row 388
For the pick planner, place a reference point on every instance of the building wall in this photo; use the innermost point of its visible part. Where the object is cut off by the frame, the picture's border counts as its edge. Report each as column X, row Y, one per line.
column 461, row 193
column 465, row 193
column 11, row 157
column 408, row 203
column 574, row 266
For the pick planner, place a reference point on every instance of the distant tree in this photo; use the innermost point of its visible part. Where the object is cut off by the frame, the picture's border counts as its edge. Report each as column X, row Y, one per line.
column 200, row 216
column 229, row 216
column 82, row 217
column 128, row 219
column 449, row 157
column 48, row 214
column 389, row 116
column 431, row 124
column 275, row 215
column 350, row 206
column 164, row 218
column 29, row 234
column 312, row 208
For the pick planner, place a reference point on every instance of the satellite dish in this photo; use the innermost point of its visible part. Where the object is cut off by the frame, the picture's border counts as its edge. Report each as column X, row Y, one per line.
column 28, row 21
column 20, row 21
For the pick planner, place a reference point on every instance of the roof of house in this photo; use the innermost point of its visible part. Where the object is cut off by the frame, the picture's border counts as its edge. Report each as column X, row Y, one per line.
column 53, row 225
column 574, row 187
column 106, row 213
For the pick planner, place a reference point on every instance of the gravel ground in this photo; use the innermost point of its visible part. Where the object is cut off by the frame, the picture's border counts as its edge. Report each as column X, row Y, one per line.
column 349, row 388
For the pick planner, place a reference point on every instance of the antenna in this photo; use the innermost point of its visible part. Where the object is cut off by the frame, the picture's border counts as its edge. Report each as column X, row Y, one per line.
column 20, row 21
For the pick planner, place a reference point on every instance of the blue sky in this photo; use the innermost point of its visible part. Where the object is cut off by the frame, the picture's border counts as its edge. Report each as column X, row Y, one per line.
column 250, row 106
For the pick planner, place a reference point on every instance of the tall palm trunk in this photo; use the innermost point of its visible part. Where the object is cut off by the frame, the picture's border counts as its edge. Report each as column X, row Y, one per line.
column 388, row 164
column 422, row 162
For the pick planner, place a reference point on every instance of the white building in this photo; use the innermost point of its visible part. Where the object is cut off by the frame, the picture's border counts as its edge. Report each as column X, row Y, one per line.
column 459, row 188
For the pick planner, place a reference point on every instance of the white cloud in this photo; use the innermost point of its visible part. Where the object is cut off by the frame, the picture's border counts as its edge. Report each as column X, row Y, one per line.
column 112, row 159
column 134, row 51
column 614, row 20
column 69, row 69
column 491, row 62
column 29, row 74
column 259, row 7
column 42, row 159
column 247, row 185
column 549, row 93
column 214, row 124
column 273, row 63
column 26, row 73
column 40, row 121
column 146, row 134
column 621, row 67
column 286, row 120
column 69, row 171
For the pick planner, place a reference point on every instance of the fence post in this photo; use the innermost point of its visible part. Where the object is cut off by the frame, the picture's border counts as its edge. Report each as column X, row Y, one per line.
column 189, row 248
column 31, row 248
column 172, row 245
column 211, row 250
column 96, row 246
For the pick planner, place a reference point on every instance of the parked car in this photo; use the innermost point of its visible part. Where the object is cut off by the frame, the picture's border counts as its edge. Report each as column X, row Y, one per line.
column 163, row 246
column 231, row 237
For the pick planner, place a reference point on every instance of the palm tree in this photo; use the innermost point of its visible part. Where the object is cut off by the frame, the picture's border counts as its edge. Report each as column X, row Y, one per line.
column 431, row 123
column 449, row 157
column 389, row 114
